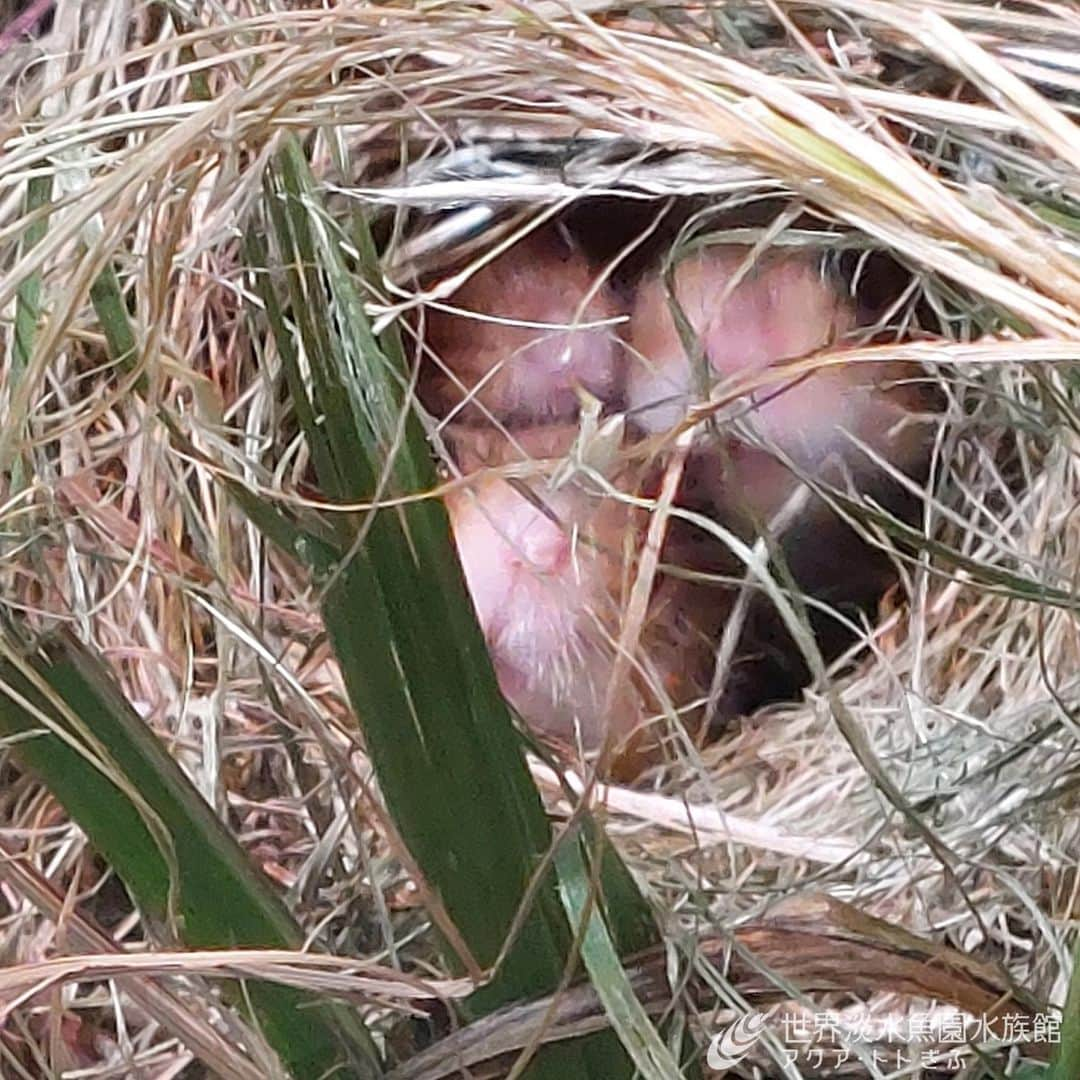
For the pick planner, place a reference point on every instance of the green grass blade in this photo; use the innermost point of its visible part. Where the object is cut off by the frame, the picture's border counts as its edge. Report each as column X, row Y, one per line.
column 28, row 298
column 1066, row 1064
column 178, row 860
column 386, row 617
column 108, row 300
column 449, row 762
column 255, row 250
column 586, row 910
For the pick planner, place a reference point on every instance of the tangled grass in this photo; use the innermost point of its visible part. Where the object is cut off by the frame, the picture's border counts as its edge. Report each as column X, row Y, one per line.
column 932, row 784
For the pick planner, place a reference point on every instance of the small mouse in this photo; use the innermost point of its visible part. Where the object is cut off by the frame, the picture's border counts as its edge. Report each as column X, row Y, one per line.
column 541, row 575
column 826, row 425
column 821, row 422
column 483, row 367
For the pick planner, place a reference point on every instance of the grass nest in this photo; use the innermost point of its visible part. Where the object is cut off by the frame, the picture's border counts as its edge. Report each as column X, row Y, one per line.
column 897, row 839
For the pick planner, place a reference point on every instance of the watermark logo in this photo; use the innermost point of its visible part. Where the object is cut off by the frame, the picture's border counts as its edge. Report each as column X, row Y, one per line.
column 730, row 1046
column 941, row 1039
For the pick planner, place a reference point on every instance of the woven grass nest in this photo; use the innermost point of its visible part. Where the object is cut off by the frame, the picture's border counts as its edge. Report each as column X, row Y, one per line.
column 895, row 836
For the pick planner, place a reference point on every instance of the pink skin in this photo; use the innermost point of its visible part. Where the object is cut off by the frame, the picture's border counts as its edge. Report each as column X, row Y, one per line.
column 780, row 311
column 549, row 597
column 525, row 374
column 543, row 600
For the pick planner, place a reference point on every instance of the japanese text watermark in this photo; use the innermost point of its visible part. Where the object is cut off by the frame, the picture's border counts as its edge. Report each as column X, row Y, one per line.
column 827, row 1040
